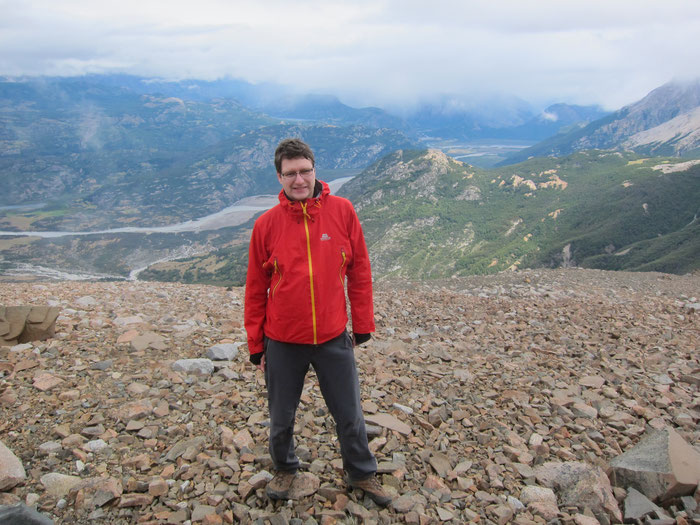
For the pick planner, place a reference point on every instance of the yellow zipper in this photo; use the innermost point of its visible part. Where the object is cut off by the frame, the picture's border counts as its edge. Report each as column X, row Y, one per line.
column 311, row 271
column 340, row 272
column 277, row 271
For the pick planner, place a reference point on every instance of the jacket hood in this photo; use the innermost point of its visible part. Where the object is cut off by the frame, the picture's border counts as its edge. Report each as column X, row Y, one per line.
column 312, row 204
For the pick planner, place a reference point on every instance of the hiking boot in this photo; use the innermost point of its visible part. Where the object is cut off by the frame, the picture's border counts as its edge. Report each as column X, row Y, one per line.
column 278, row 487
column 373, row 489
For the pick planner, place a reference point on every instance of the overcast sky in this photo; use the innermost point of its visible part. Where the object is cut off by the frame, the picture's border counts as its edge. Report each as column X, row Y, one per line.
column 610, row 52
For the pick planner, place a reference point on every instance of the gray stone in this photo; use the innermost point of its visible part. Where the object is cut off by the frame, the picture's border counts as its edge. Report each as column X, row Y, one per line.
column 358, row 510
column 96, row 446
column 102, row 365
column 201, row 511
column 404, row 503
column 22, row 515
column 125, row 321
column 21, row 348
column 202, row 367
column 260, row 479
column 179, row 448
column 689, row 503
column 86, row 301
column 637, row 505
column 50, row 447
column 444, row 514
column 223, row 351
column 388, row 421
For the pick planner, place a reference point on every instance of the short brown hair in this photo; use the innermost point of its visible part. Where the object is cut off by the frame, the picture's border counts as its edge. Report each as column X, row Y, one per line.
column 292, row 149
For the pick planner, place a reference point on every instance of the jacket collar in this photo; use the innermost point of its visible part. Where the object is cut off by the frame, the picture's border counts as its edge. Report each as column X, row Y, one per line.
column 311, row 205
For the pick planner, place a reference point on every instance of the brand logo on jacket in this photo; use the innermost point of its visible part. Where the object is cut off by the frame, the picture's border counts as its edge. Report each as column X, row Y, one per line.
column 325, row 237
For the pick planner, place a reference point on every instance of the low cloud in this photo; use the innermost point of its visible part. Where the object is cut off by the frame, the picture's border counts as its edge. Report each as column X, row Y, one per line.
column 383, row 52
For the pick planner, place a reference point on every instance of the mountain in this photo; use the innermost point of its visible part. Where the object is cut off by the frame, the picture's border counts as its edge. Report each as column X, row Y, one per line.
column 552, row 120
column 281, row 102
column 328, row 109
column 665, row 122
column 99, row 155
column 64, row 116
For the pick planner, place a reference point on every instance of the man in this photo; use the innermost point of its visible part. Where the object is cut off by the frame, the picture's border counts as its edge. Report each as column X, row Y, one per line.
column 301, row 252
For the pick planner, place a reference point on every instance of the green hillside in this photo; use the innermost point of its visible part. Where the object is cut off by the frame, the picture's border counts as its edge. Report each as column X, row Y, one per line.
column 426, row 215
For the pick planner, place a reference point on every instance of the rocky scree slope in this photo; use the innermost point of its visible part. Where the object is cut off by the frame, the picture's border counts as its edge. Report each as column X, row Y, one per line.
column 469, row 386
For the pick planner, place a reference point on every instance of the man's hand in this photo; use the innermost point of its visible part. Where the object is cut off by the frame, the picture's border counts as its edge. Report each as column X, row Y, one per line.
column 258, row 360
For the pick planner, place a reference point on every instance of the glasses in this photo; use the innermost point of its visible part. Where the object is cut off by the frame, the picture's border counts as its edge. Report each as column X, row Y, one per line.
column 293, row 174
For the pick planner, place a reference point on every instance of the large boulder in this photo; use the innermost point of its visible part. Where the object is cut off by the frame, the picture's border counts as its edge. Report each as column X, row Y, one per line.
column 12, row 471
column 20, row 324
column 581, row 485
column 661, row 466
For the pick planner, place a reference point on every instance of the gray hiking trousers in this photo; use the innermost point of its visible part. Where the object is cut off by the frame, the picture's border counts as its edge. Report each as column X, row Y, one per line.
column 286, row 365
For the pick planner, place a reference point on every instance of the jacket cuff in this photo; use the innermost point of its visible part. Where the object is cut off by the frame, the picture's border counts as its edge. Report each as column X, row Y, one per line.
column 256, row 358
column 361, row 338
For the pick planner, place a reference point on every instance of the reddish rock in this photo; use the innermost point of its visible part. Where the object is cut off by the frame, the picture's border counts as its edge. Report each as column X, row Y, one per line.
column 388, row 421
column 95, row 492
column 135, row 500
column 158, row 487
column 44, row 381
column 11, row 470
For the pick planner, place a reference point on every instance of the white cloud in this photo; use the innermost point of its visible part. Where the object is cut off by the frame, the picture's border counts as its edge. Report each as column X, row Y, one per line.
column 377, row 51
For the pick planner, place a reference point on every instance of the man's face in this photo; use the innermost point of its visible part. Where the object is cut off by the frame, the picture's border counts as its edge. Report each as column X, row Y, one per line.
column 297, row 187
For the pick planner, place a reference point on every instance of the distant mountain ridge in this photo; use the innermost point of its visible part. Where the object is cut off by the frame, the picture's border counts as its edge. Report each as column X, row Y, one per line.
column 279, row 102
column 448, row 116
column 665, row 122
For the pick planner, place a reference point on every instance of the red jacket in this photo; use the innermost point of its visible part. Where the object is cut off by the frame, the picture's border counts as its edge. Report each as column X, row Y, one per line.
column 300, row 253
